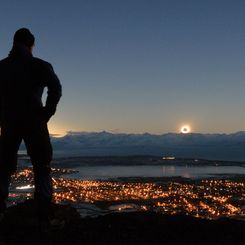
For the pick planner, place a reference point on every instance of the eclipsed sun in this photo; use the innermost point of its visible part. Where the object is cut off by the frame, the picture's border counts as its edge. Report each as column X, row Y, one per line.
column 185, row 129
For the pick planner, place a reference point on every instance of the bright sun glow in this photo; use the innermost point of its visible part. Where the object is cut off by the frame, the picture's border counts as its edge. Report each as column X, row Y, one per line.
column 185, row 129
column 56, row 131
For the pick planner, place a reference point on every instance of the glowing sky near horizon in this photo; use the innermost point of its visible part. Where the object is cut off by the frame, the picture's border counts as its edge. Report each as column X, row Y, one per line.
column 139, row 65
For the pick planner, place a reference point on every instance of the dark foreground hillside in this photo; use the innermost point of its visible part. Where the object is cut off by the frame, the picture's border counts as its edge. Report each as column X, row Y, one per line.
column 20, row 227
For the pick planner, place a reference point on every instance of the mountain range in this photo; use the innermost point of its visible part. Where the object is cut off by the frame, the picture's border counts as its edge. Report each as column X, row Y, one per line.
column 192, row 145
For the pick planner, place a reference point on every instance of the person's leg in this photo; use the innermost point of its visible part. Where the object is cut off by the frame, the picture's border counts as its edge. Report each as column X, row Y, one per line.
column 40, row 151
column 10, row 140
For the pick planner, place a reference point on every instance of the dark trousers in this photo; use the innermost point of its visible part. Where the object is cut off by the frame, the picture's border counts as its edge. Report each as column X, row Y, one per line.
column 37, row 141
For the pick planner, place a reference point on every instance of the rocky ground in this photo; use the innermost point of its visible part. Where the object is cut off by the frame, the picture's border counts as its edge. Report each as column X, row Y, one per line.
column 20, row 226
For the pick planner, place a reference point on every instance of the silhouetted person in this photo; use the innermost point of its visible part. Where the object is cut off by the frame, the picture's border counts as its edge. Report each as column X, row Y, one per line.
column 23, row 117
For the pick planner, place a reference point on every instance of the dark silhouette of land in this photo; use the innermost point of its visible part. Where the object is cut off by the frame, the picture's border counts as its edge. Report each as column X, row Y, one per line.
column 145, row 228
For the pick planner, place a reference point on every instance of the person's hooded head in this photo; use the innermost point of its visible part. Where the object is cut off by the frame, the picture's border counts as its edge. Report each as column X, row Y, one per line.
column 23, row 42
column 24, row 37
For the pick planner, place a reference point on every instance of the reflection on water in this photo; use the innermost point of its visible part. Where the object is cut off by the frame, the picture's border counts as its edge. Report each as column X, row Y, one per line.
column 105, row 172
column 124, row 207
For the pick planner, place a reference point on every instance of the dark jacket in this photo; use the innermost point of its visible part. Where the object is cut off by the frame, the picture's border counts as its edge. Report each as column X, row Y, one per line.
column 22, row 81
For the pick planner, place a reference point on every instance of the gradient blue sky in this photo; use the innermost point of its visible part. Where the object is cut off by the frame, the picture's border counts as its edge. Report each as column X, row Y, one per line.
column 139, row 65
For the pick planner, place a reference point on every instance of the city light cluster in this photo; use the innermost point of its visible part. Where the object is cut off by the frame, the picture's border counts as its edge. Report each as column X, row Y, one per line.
column 200, row 198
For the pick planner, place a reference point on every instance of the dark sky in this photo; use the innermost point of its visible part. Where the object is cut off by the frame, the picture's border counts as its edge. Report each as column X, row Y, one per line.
column 139, row 65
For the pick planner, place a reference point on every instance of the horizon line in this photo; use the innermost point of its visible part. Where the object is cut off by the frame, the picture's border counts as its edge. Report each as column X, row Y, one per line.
column 55, row 135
